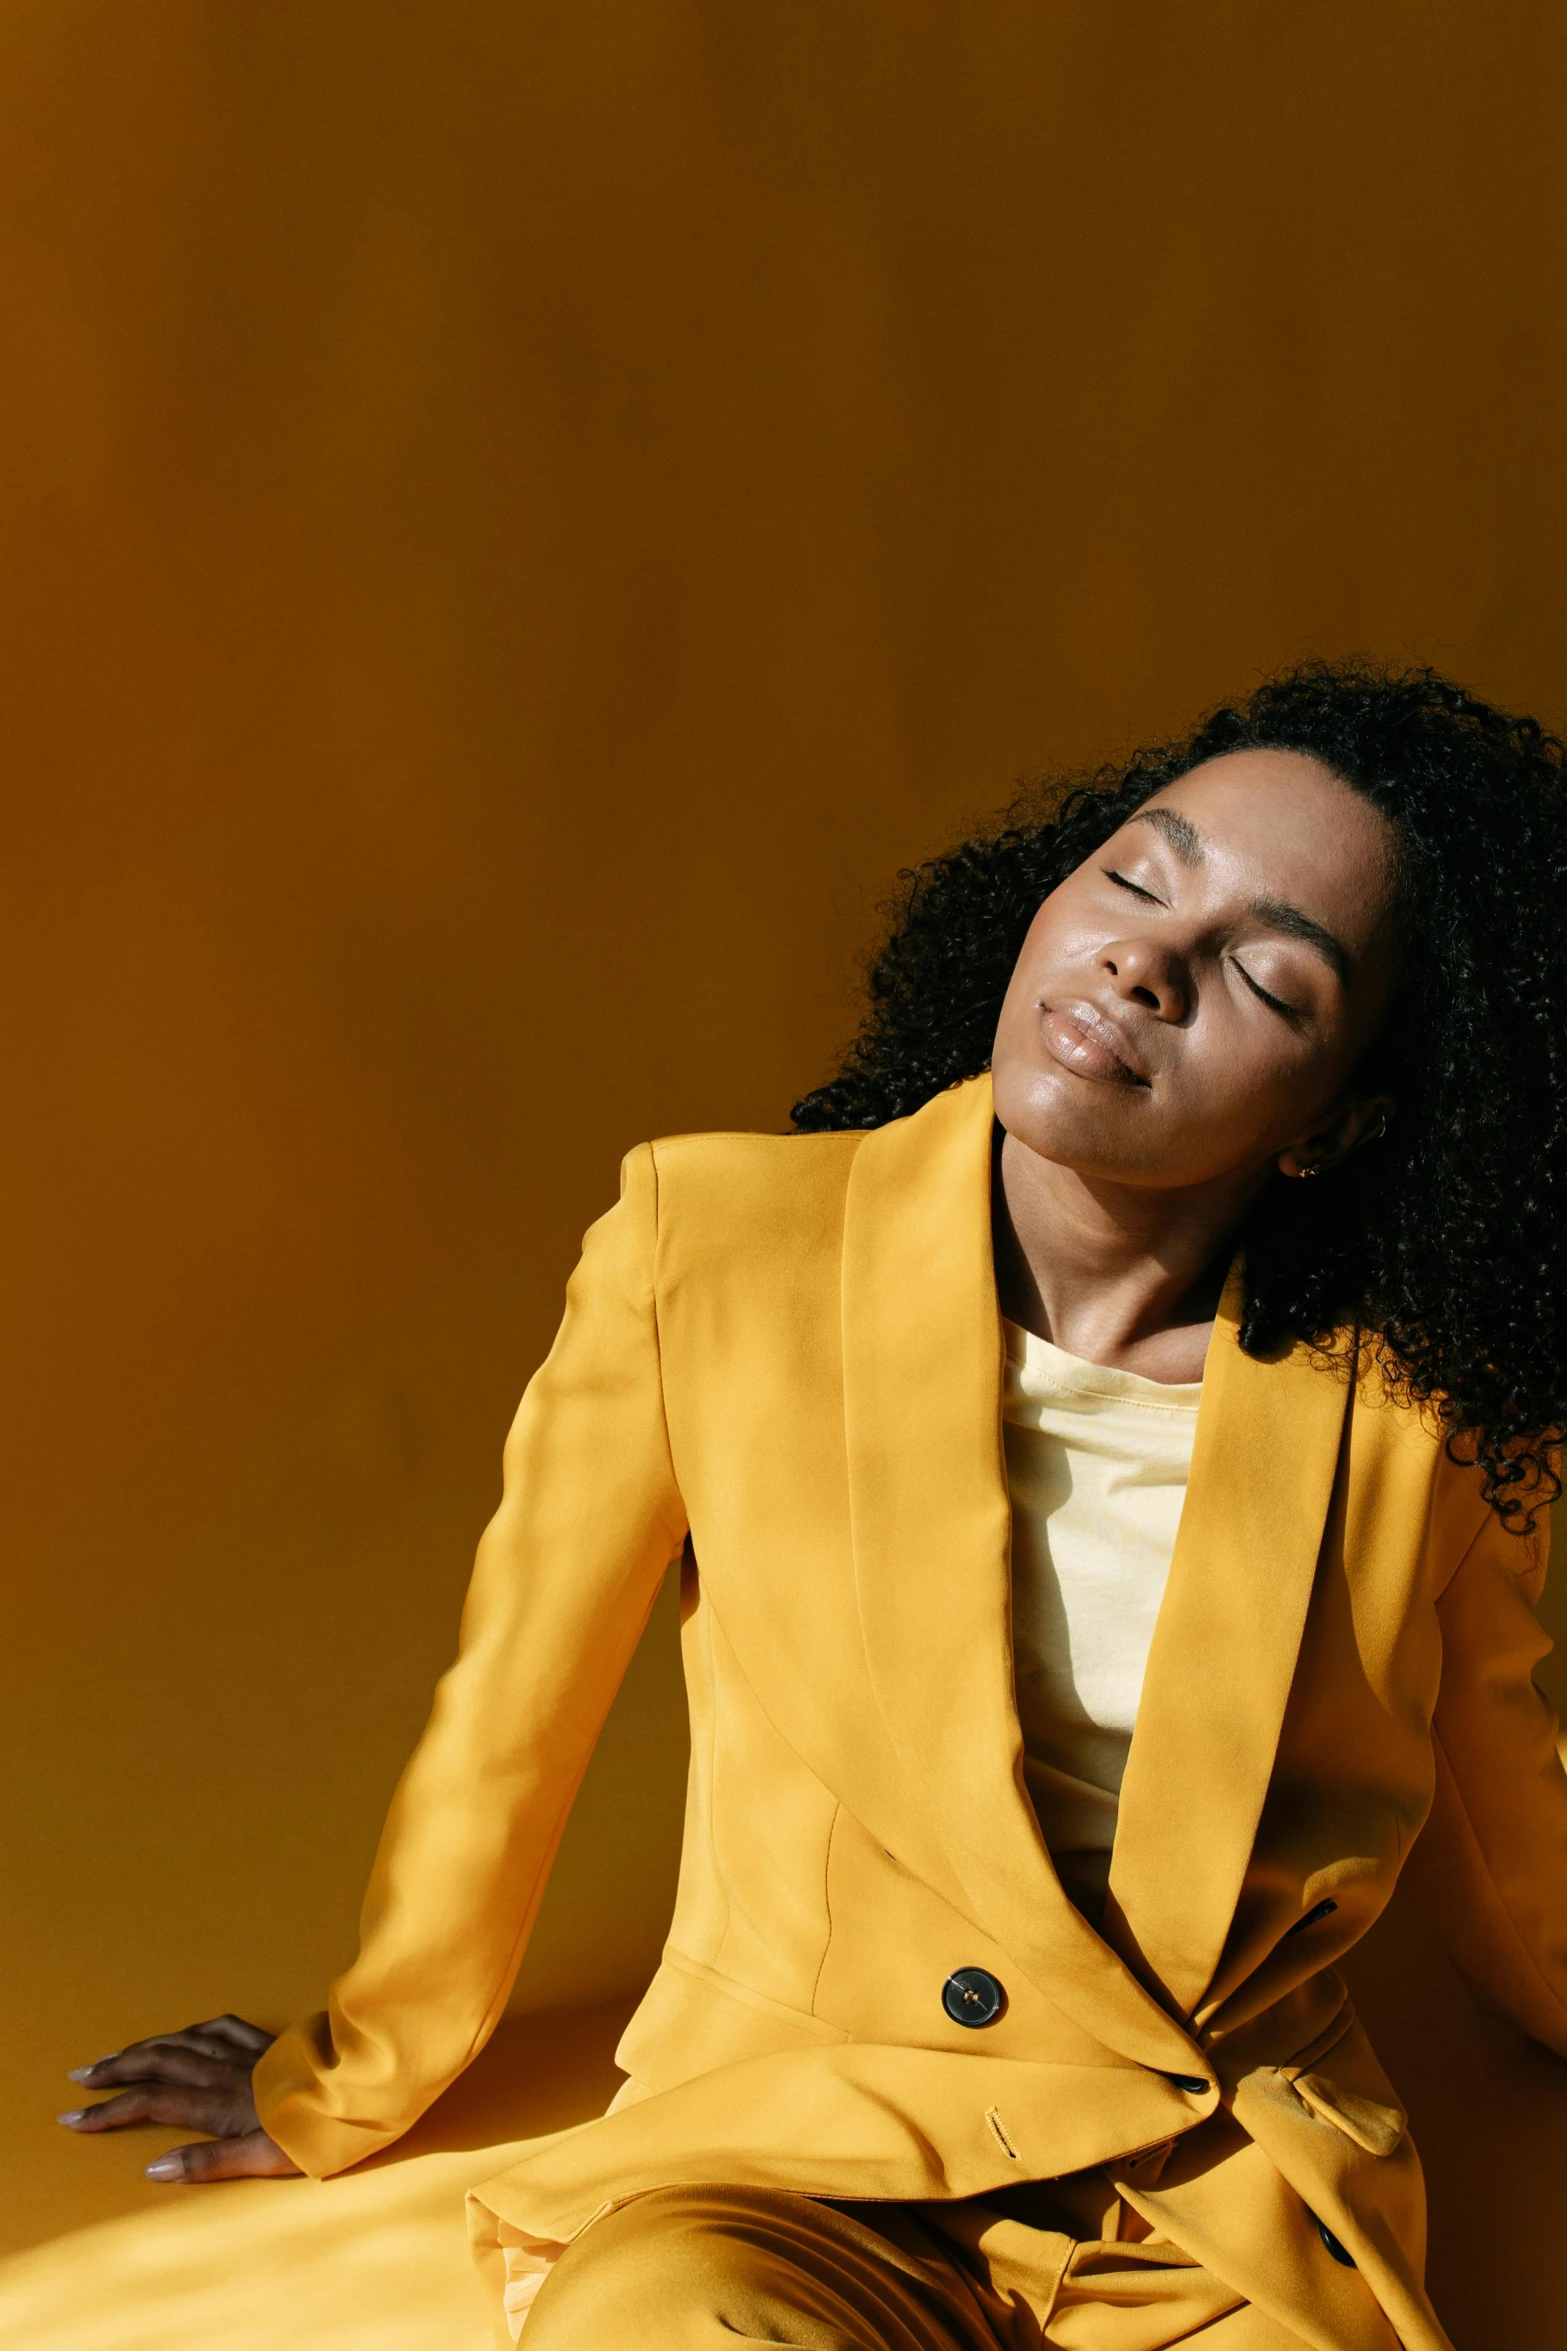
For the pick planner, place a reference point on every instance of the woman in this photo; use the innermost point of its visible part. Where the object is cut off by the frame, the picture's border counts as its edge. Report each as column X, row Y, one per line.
column 1155, row 1323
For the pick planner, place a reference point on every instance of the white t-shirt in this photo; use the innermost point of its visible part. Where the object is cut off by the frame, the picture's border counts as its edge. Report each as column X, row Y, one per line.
column 1097, row 1463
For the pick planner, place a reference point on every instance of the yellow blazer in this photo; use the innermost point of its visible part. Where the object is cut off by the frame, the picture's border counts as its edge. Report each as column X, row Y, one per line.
column 782, row 1358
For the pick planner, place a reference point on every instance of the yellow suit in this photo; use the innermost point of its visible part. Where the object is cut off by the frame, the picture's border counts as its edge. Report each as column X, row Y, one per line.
column 783, row 1357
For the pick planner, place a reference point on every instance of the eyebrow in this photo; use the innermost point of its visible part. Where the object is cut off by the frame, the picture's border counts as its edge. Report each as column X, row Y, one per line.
column 1192, row 850
column 1296, row 925
column 1182, row 835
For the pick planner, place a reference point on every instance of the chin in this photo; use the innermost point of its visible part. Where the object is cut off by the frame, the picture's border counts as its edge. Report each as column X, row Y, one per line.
column 1065, row 1144
column 1067, row 1120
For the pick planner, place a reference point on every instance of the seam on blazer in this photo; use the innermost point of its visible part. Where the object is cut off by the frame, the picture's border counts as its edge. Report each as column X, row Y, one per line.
column 762, row 1707
column 658, row 1335
column 1528, row 1544
column 832, row 1831
column 1471, row 1836
column 725, row 1986
column 710, row 1808
column 1441, row 1591
column 713, row 1630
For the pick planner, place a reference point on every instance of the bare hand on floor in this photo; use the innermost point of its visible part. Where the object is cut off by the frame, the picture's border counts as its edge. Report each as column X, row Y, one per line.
column 195, row 2080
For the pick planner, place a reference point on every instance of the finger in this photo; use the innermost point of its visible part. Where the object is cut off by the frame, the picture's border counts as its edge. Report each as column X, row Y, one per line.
column 200, row 2038
column 255, row 2156
column 249, row 2039
column 227, row 2038
column 191, row 2039
column 179, row 2109
column 163, row 2061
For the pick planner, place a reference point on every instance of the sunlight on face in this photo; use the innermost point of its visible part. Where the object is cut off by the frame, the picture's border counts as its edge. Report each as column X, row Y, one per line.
column 1199, row 991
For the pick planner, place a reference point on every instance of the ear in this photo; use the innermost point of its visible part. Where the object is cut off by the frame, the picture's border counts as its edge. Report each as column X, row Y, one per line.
column 1339, row 1131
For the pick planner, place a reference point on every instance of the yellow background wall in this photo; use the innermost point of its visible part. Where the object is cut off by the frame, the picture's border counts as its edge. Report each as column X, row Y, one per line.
column 515, row 520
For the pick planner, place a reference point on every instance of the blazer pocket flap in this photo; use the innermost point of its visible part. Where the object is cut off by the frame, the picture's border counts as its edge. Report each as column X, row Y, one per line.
column 1373, row 2126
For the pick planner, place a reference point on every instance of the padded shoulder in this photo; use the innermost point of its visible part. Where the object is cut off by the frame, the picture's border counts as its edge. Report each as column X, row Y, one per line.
column 756, row 1195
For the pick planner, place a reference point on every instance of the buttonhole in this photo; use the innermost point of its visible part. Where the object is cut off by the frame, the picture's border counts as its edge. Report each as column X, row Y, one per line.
column 1007, row 2148
column 1322, row 1910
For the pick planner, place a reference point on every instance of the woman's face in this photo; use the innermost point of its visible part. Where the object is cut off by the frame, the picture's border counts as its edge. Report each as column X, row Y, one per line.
column 1191, row 1005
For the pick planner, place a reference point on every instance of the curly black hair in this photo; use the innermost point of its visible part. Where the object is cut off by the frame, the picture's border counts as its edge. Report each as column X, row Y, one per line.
column 1444, row 1250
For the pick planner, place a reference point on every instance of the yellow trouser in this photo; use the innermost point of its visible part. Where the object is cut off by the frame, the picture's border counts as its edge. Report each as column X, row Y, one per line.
column 713, row 2268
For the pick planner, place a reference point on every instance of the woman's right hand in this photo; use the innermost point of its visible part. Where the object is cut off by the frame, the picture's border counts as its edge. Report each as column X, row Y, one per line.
column 195, row 2080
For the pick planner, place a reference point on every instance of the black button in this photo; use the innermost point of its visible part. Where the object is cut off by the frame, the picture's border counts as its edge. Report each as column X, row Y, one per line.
column 971, row 1995
column 1192, row 2083
column 1334, row 2247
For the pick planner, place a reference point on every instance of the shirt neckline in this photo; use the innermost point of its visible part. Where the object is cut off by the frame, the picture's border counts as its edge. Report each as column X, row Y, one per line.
column 1042, row 1368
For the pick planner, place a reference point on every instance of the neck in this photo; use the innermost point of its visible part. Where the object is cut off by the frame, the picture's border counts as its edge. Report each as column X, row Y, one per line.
column 1115, row 1273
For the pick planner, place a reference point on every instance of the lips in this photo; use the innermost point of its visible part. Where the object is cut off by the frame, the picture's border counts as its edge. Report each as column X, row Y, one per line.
column 1078, row 1035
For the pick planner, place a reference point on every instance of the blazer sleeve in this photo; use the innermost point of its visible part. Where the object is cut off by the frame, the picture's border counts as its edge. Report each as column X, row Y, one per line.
column 566, row 1576
column 1489, row 1869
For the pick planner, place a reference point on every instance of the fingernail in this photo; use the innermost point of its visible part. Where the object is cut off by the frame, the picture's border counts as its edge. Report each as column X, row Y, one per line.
column 81, row 2073
column 76, row 2114
column 167, row 2167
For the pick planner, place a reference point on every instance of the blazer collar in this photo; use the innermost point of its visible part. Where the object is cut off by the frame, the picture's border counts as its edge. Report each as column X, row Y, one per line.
column 931, row 1526
column 1264, row 1463
column 931, row 1532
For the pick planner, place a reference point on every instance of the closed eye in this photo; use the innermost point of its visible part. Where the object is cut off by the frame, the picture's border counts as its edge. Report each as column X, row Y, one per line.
column 1276, row 1004
column 1286, row 1011
column 1136, row 888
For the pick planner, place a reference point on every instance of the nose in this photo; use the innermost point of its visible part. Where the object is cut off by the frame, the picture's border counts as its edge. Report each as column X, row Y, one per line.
column 1147, row 973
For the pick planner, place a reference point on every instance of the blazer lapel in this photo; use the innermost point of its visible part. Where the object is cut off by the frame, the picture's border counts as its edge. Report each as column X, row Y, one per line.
column 932, row 1543
column 1223, row 1658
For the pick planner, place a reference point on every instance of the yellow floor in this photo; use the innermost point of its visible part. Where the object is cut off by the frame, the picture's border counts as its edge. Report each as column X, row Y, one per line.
column 375, row 2261
column 378, row 2261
